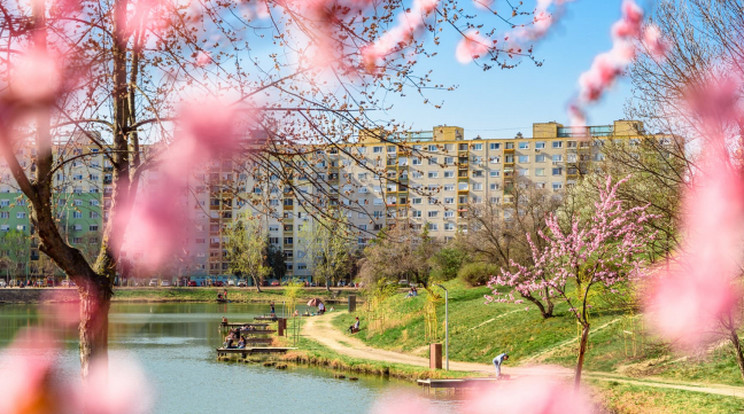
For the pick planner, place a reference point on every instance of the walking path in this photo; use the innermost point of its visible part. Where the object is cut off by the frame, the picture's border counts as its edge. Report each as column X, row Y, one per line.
column 320, row 329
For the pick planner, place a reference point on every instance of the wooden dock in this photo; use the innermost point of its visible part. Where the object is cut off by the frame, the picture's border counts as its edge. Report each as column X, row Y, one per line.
column 266, row 318
column 454, row 384
column 225, row 352
column 248, row 324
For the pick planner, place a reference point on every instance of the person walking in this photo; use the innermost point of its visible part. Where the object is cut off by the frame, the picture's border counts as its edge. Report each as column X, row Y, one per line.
column 498, row 361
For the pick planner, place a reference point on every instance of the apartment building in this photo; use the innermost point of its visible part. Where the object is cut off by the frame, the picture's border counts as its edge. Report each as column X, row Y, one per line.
column 429, row 178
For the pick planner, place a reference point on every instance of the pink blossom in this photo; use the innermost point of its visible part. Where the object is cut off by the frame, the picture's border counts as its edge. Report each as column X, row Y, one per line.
column 116, row 386
column 36, row 77
column 628, row 34
column 404, row 403
column 471, row 46
column 483, row 4
column 654, row 42
column 687, row 310
column 206, row 131
column 697, row 290
column 410, row 22
column 26, row 375
column 203, row 58
column 528, row 395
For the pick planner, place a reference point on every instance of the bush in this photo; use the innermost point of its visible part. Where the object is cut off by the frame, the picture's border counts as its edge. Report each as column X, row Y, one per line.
column 477, row 274
column 446, row 263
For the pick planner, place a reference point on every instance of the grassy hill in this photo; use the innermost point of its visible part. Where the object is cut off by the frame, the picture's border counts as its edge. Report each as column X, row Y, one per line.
column 619, row 342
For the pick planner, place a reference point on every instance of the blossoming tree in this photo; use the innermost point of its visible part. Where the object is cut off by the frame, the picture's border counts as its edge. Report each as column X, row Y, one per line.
column 607, row 249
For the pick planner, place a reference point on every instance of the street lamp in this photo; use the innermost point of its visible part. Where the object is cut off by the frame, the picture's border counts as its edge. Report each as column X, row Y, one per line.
column 446, row 326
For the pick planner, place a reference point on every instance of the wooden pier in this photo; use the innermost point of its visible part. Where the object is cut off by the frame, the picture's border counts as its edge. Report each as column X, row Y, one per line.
column 454, row 385
column 248, row 324
column 243, row 352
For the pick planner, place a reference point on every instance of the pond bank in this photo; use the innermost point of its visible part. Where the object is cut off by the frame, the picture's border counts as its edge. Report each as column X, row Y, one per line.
column 338, row 296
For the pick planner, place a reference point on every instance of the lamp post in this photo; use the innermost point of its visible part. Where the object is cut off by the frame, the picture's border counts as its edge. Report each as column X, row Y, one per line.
column 446, row 326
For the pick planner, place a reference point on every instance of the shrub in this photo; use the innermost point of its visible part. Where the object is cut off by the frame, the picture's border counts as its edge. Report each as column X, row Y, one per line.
column 477, row 274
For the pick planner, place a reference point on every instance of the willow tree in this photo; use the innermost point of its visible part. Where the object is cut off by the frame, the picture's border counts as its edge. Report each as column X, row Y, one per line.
column 116, row 72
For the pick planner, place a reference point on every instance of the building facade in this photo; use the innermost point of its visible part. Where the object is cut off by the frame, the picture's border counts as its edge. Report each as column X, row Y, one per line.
column 430, row 178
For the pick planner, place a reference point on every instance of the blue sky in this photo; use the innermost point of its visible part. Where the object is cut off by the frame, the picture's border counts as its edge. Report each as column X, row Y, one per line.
column 500, row 103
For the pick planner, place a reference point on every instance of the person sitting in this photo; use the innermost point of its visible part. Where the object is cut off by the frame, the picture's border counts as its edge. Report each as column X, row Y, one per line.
column 228, row 341
column 241, row 343
column 354, row 328
column 224, row 321
column 321, row 308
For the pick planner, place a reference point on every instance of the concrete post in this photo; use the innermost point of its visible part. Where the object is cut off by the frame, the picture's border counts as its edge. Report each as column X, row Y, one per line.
column 352, row 303
column 435, row 356
column 281, row 326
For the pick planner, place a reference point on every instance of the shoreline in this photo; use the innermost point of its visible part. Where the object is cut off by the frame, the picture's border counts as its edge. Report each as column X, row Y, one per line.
column 176, row 295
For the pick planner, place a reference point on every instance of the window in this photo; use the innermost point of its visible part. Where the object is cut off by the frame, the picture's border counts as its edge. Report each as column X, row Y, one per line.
column 540, row 158
column 477, row 186
column 449, row 174
column 4, row 215
column 432, row 213
column 417, row 174
column 391, row 148
column 377, row 201
column 4, row 227
column 523, row 159
column 495, row 145
column 416, row 214
column 557, row 144
column 433, row 174
column 93, row 227
column 94, row 202
column 557, row 186
column 449, row 200
column 571, row 144
column 78, row 227
column 433, row 200
column 449, row 226
column 288, row 240
column 523, row 172
column 478, row 147
column 416, row 161
column 557, row 171
column 462, row 147
column 557, row 158
column 524, row 145
column 433, row 148
column 93, row 214
column 4, row 203
column 432, row 226
column 78, row 202
column 509, row 159
column 494, row 173
column 449, row 214
column 449, row 147
column 540, row 145
column 449, row 187
column 376, row 150
column 20, row 215
column 449, row 160
column 433, row 161
column 509, row 145
column 416, row 200
column 540, row 172
column 462, row 186
column 571, row 158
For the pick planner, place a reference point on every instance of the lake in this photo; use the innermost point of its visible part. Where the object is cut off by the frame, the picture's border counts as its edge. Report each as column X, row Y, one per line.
column 175, row 345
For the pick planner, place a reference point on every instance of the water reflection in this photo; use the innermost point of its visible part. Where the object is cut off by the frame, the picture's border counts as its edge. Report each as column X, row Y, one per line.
column 175, row 344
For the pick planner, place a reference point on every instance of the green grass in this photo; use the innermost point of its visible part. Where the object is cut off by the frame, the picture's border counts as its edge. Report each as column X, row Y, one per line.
column 478, row 332
column 632, row 399
column 245, row 295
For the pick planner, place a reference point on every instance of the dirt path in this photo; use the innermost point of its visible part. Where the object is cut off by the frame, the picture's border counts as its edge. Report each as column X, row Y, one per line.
column 321, row 330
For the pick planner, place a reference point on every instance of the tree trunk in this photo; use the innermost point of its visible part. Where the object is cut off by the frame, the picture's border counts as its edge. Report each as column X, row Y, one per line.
column 734, row 337
column 257, row 282
column 93, row 329
column 582, row 350
column 546, row 312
